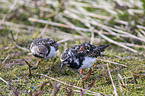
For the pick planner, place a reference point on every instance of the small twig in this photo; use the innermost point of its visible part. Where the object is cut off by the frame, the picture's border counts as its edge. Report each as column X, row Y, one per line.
column 1, row 58
column 115, row 90
column 15, row 90
column 120, row 85
column 121, row 79
column 116, row 43
column 134, row 45
column 58, row 34
column 126, row 33
column 87, row 93
column 139, row 26
column 25, row 49
column 5, row 59
column 89, row 86
column 112, row 62
column 56, row 89
column 13, row 6
column 58, row 24
column 27, row 63
column 12, row 36
column 41, row 89
column 29, row 69
column 4, row 80
column 94, row 93
column 10, row 10
column 3, row 19
column 64, row 40
column 70, row 90
column 92, row 34
column 44, row 29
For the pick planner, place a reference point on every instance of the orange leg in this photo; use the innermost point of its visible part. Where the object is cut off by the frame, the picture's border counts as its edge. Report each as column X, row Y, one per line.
column 38, row 62
column 88, row 74
column 49, row 68
column 36, row 65
column 81, row 71
column 83, row 81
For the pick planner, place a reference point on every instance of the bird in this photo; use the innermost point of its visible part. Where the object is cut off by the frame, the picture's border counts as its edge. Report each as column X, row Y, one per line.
column 81, row 56
column 44, row 48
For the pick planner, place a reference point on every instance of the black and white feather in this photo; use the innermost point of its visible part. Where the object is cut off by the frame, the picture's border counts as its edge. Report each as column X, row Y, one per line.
column 44, row 48
column 81, row 56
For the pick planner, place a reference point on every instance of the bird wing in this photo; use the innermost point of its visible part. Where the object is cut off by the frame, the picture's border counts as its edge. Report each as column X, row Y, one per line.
column 97, row 51
column 50, row 42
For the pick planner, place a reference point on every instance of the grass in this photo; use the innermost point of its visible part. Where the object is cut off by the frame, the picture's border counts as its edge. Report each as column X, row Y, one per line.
column 119, row 72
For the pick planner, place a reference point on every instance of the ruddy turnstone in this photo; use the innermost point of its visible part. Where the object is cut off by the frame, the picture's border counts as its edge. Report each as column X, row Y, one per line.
column 44, row 48
column 81, row 56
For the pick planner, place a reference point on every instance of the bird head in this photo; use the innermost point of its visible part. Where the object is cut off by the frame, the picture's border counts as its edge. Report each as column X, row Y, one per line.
column 35, row 50
column 39, row 51
column 63, row 64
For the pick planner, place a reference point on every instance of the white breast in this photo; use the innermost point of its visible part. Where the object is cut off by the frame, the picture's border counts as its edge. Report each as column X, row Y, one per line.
column 88, row 62
column 33, row 49
column 52, row 52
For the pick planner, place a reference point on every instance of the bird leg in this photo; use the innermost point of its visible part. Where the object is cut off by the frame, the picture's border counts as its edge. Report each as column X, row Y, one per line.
column 38, row 62
column 53, row 61
column 88, row 74
column 81, row 71
column 36, row 65
column 83, row 81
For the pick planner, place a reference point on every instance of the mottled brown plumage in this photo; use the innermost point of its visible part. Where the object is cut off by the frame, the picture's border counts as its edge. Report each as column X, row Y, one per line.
column 82, row 55
column 44, row 48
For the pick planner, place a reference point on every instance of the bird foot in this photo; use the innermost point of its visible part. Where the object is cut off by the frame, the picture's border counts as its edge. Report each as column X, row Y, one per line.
column 49, row 68
column 81, row 71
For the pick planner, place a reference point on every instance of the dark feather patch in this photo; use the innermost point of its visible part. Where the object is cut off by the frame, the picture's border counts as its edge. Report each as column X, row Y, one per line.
column 38, row 56
column 77, row 53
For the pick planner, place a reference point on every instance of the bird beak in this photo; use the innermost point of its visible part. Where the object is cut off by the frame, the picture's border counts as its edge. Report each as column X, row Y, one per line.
column 61, row 67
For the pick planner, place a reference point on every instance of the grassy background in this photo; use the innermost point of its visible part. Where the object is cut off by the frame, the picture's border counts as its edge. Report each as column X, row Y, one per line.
column 119, row 23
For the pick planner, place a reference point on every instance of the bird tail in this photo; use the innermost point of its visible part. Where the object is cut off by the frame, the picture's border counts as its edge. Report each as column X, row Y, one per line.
column 103, row 47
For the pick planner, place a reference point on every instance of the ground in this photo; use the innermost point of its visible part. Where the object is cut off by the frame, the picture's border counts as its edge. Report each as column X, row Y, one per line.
column 128, row 79
column 119, row 71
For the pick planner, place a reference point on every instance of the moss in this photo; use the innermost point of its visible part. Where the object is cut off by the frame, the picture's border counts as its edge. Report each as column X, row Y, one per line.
column 15, row 71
